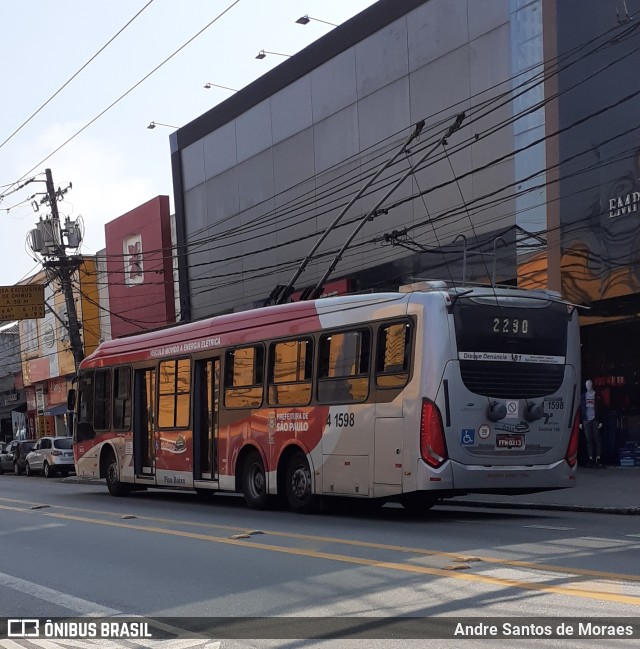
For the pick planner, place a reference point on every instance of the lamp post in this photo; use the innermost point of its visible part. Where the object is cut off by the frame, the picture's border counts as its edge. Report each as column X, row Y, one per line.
column 217, row 85
column 152, row 125
column 304, row 20
column 263, row 53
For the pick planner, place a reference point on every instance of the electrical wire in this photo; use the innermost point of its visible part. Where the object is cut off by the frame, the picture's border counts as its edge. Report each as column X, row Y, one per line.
column 215, row 262
column 121, row 97
column 73, row 76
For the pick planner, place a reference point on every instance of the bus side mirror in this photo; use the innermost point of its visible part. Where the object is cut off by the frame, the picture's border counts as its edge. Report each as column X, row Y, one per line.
column 71, row 400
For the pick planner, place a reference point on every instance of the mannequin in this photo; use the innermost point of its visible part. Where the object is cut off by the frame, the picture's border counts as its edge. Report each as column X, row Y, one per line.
column 591, row 424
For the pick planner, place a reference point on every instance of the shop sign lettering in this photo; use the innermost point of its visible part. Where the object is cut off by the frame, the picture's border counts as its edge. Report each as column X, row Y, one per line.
column 625, row 204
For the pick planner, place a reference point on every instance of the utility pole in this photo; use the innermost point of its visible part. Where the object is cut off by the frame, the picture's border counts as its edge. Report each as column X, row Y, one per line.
column 47, row 240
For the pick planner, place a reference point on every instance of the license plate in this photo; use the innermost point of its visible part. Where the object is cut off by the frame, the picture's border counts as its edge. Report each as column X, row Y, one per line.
column 509, row 441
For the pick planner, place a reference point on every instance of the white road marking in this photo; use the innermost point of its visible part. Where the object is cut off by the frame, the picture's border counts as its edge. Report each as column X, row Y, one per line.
column 111, row 644
column 31, row 528
column 79, row 606
column 83, row 607
column 551, row 527
column 10, row 644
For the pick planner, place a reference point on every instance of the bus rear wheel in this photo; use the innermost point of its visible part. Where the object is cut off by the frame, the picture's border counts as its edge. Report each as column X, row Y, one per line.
column 115, row 487
column 298, row 486
column 254, row 482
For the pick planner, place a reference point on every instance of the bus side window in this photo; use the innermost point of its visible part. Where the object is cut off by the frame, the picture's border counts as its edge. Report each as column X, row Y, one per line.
column 84, row 425
column 122, row 398
column 343, row 367
column 290, row 368
column 174, row 392
column 393, row 355
column 244, row 372
column 102, row 400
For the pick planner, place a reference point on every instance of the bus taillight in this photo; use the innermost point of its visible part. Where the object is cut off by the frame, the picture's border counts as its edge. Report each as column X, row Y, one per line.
column 433, row 446
column 572, row 451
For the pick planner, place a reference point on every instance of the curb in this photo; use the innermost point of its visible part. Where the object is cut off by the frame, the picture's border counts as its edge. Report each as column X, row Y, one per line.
column 79, row 480
column 626, row 511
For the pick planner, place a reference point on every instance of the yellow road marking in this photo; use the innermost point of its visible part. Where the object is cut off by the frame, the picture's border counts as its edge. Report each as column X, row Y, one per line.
column 512, row 563
column 389, row 565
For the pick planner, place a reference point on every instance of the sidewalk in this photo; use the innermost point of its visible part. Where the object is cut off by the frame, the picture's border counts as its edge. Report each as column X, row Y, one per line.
column 607, row 490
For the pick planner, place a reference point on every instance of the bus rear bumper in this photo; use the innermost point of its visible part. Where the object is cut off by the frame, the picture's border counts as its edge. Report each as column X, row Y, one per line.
column 456, row 478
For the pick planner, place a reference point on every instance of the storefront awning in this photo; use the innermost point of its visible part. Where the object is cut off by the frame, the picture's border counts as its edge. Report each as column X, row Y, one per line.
column 6, row 411
column 51, row 411
column 625, row 305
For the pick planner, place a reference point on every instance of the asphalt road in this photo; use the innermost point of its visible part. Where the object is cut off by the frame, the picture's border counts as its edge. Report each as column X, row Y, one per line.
column 73, row 550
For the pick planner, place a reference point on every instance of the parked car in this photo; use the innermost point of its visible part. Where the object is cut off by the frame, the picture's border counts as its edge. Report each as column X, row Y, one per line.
column 51, row 455
column 13, row 457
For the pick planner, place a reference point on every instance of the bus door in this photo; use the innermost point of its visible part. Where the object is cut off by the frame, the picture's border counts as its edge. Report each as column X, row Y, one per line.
column 393, row 355
column 205, row 423
column 144, row 422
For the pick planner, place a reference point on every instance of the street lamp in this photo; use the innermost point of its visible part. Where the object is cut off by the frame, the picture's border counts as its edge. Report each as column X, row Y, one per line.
column 304, row 20
column 262, row 53
column 217, row 85
column 154, row 124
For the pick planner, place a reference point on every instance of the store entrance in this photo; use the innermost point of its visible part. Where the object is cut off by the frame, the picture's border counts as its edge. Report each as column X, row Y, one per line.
column 611, row 359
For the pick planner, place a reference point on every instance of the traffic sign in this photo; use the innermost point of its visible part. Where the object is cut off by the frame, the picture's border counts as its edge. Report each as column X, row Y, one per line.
column 22, row 302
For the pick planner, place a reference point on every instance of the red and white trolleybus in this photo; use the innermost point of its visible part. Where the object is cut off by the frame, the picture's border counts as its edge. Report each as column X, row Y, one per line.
column 408, row 396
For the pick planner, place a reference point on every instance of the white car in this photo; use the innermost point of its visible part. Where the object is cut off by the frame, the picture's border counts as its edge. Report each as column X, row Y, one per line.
column 51, row 455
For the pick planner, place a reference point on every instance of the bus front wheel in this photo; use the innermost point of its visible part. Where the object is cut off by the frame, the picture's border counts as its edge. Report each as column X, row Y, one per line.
column 115, row 487
column 254, row 482
column 298, row 486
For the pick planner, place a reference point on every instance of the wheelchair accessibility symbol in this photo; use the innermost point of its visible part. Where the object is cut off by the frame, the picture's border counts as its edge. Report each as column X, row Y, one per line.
column 467, row 436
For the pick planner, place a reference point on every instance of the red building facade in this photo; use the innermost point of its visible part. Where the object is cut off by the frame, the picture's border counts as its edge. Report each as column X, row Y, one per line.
column 139, row 268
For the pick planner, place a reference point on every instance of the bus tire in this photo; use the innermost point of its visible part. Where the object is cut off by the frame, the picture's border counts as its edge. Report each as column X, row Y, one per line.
column 298, row 486
column 115, row 487
column 418, row 502
column 254, row 481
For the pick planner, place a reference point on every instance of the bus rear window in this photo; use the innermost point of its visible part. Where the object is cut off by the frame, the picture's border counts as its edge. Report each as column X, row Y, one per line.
column 488, row 328
column 510, row 352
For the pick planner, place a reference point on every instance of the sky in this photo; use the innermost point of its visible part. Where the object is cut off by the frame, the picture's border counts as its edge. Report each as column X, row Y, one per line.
column 116, row 163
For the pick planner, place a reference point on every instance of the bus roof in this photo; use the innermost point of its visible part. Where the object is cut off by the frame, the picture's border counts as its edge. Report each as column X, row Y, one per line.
column 239, row 328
